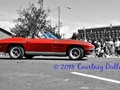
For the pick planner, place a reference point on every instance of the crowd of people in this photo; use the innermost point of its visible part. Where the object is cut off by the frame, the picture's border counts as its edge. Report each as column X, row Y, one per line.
column 106, row 48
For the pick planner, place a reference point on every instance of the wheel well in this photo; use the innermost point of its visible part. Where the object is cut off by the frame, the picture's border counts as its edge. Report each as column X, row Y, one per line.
column 71, row 46
column 13, row 44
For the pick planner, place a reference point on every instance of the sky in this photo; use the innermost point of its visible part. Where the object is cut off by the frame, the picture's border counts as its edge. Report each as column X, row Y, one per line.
column 82, row 13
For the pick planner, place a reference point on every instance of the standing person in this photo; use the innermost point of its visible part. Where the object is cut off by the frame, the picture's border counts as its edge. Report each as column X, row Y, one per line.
column 117, row 45
column 111, row 48
column 95, row 43
column 107, row 48
column 103, row 47
column 98, row 49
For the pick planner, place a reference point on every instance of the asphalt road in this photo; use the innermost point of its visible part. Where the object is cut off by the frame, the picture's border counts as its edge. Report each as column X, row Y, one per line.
column 53, row 73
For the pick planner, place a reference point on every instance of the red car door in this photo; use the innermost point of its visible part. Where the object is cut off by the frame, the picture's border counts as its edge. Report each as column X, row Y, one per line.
column 41, row 45
column 58, row 46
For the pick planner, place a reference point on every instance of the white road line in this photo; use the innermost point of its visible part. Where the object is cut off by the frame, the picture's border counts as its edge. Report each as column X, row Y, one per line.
column 96, row 77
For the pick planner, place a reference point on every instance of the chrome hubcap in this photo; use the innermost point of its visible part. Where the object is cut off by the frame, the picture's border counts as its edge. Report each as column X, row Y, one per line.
column 15, row 52
column 75, row 53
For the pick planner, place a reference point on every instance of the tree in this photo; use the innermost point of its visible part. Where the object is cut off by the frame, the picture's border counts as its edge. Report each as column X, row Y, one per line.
column 32, row 20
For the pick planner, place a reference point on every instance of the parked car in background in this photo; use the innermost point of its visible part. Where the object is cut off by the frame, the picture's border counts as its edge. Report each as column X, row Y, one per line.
column 45, row 44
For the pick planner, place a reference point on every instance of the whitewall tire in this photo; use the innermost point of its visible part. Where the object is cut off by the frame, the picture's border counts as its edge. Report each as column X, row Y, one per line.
column 16, row 52
column 76, row 53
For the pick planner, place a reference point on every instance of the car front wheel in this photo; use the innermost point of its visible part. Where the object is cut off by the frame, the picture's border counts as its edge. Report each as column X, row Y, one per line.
column 16, row 52
column 76, row 53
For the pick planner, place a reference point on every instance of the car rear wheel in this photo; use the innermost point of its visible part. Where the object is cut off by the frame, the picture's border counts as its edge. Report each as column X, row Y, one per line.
column 16, row 52
column 76, row 53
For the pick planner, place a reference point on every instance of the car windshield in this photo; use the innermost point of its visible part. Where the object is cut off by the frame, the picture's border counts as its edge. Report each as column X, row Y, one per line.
column 47, row 35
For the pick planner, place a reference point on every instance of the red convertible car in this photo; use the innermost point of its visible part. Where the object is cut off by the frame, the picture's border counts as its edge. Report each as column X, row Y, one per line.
column 47, row 44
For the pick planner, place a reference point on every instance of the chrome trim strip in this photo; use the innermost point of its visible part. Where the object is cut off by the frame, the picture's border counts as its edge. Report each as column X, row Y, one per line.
column 89, row 49
column 44, row 53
